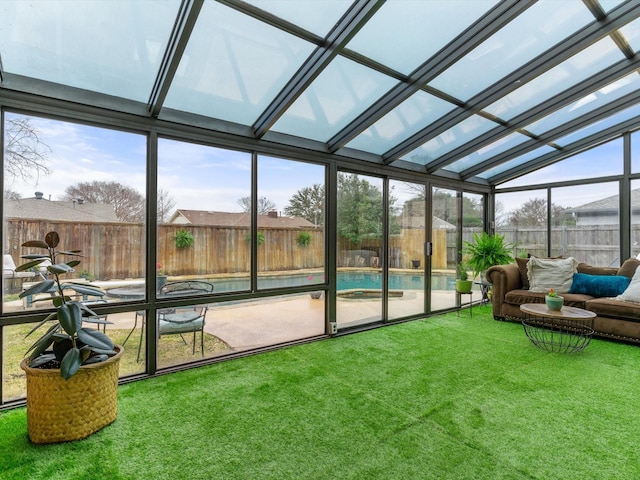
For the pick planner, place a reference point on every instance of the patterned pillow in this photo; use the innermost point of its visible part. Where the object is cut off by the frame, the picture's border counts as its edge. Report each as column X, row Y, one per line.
column 546, row 273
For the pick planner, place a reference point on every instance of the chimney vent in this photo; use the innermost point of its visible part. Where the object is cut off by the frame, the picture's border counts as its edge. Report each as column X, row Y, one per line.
column 39, row 195
column 273, row 214
column 80, row 201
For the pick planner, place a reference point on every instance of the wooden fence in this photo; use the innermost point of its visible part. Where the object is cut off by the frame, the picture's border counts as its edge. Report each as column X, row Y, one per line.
column 117, row 250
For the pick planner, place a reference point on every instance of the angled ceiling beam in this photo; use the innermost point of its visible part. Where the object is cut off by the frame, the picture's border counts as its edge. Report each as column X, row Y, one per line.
column 576, row 92
column 486, row 26
column 589, row 118
column 182, row 29
column 571, row 149
column 554, row 56
column 355, row 18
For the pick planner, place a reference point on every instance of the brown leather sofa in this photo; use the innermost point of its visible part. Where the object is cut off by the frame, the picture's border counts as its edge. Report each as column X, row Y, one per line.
column 615, row 319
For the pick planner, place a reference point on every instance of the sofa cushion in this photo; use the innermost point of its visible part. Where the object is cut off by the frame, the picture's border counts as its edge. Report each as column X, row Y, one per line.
column 632, row 293
column 591, row 270
column 629, row 267
column 524, row 276
column 520, row 297
column 599, row 285
column 609, row 307
column 545, row 274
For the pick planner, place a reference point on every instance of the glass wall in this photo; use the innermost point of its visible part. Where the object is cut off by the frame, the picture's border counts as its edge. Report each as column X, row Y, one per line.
column 291, row 222
column 407, row 229
column 204, row 218
column 522, row 218
column 359, row 243
column 444, row 258
column 585, row 223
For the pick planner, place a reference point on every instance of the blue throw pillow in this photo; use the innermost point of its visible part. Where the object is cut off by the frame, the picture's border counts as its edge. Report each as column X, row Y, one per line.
column 599, row 285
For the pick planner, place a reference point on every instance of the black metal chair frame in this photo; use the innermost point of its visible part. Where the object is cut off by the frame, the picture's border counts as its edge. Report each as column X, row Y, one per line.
column 182, row 287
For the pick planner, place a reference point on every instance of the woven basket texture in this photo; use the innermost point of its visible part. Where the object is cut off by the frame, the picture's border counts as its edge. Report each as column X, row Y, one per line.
column 60, row 410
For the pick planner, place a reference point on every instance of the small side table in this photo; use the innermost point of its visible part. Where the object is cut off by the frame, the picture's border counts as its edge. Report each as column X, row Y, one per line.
column 567, row 330
column 470, row 302
column 484, row 290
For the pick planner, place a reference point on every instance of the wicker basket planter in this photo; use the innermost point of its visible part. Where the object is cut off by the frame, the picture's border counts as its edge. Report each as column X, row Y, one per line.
column 60, row 410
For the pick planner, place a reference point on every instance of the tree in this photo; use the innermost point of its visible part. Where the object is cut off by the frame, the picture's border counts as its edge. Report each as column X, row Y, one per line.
column 128, row 203
column 308, row 203
column 166, row 203
column 12, row 195
column 264, row 205
column 25, row 154
column 533, row 213
column 360, row 209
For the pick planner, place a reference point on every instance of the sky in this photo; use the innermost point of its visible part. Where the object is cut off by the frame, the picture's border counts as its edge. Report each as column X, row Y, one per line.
column 208, row 178
column 197, row 177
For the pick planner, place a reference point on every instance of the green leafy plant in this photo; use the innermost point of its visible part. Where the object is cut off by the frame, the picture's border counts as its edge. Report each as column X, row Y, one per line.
column 304, row 239
column 487, row 250
column 184, row 239
column 65, row 344
column 260, row 238
column 463, row 274
column 552, row 293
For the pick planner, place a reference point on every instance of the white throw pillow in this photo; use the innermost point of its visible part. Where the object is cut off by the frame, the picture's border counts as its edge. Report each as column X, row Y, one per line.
column 632, row 293
column 545, row 273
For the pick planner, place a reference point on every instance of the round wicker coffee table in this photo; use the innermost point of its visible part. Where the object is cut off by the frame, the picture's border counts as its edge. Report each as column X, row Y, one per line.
column 568, row 330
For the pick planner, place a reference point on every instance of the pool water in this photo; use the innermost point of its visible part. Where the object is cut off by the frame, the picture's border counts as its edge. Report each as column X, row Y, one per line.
column 346, row 281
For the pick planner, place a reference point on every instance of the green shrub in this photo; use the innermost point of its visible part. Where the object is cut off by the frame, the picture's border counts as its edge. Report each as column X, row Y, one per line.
column 183, row 239
column 304, row 239
column 260, row 238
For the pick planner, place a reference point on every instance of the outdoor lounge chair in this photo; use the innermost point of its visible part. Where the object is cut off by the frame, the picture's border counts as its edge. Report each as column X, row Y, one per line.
column 13, row 279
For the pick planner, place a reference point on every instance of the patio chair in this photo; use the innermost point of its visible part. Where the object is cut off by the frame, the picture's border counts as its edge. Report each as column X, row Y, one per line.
column 10, row 275
column 180, row 320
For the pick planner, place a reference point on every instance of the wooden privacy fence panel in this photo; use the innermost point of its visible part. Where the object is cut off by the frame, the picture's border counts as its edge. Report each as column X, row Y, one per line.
column 116, row 250
column 110, row 250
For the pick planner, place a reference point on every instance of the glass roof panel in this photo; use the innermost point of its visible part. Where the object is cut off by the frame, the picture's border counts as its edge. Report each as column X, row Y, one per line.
column 596, row 127
column 234, row 65
column 631, row 31
column 601, row 161
column 107, row 47
column 342, row 91
column 317, row 16
column 485, row 153
column 403, row 35
column 531, row 33
column 609, row 5
column 594, row 100
column 516, row 162
column 405, row 120
column 447, row 141
column 579, row 67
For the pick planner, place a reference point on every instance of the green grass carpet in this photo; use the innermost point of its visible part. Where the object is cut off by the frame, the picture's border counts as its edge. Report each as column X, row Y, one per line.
column 445, row 398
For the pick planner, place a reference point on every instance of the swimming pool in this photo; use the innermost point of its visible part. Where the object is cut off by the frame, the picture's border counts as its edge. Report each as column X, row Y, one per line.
column 345, row 281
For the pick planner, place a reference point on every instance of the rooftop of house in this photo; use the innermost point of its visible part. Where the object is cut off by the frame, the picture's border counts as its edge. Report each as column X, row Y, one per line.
column 241, row 219
column 72, row 211
column 608, row 204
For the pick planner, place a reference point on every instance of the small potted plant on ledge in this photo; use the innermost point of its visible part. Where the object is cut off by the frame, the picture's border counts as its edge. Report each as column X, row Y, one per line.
column 72, row 371
column 463, row 284
column 553, row 300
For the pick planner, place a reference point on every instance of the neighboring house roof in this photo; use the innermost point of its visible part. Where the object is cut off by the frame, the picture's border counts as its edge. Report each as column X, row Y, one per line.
column 40, row 208
column 607, row 205
column 230, row 219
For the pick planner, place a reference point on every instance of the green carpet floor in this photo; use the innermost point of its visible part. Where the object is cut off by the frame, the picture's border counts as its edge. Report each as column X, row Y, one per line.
column 445, row 398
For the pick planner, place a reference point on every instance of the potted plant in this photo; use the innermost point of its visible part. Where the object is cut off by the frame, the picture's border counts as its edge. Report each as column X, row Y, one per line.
column 463, row 284
column 161, row 277
column 72, row 371
column 553, row 300
column 486, row 251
